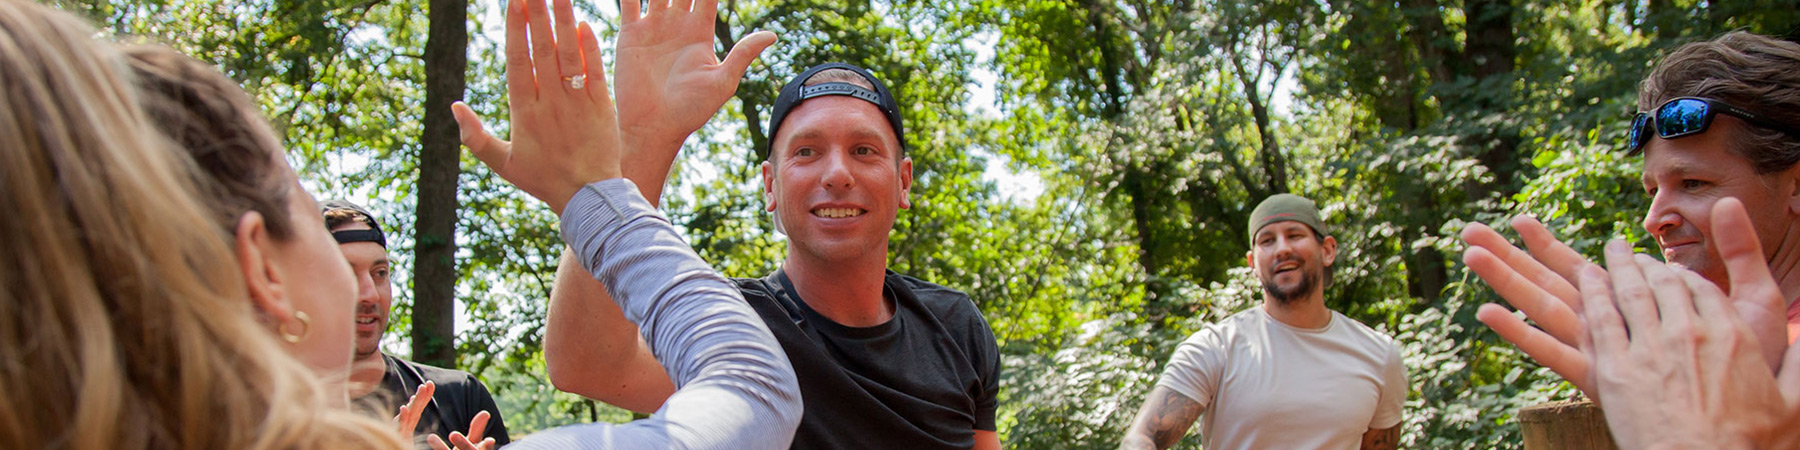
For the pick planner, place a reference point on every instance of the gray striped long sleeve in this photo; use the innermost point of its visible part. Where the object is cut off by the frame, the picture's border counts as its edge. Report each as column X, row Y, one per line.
column 734, row 386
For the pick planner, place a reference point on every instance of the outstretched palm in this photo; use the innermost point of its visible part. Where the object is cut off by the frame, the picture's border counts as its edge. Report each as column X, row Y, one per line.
column 669, row 80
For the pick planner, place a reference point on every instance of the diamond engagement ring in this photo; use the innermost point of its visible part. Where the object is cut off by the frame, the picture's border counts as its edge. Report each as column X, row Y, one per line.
column 576, row 82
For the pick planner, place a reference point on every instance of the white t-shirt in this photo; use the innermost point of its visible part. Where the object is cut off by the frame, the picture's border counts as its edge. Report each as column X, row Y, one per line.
column 1263, row 384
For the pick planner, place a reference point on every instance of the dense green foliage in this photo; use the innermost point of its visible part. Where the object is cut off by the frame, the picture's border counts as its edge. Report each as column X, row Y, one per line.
column 1152, row 126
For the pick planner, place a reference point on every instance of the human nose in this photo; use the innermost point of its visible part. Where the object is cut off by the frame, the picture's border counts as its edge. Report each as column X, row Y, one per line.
column 1662, row 216
column 1284, row 248
column 365, row 286
column 837, row 171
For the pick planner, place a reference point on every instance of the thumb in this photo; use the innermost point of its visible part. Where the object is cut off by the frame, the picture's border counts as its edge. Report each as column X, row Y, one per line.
column 1754, row 293
column 489, row 149
column 1735, row 237
column 746, row 50
column 1788, row 380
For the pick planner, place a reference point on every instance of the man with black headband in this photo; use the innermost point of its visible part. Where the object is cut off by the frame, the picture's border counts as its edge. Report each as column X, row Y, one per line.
column 379, row 382
column 1288, row 374
column 883, row 360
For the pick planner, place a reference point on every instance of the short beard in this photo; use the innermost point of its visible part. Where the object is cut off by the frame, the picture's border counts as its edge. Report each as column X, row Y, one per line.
column 360, row 355
column 1288, row 296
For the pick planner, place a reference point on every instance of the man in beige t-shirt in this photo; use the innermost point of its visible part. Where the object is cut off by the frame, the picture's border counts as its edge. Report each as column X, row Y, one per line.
column 1290, row 374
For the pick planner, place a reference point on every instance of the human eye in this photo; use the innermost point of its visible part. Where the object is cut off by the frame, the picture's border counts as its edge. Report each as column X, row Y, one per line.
column 864, row 151
column 1691, row 184
column 380, row 273
column 804, row 151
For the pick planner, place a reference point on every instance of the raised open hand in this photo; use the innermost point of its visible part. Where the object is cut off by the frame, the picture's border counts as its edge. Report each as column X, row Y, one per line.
column 408, row 418
column 1540, row 284
column 472, row 441
column 565, row 131
column 1677, row 360
column 669, row 79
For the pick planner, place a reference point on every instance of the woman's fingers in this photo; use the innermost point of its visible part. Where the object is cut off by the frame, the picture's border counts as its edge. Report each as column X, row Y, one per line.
column 489, row 149
column 543, row 45
column 568, row 48
column 597, row 90
column 520, row 85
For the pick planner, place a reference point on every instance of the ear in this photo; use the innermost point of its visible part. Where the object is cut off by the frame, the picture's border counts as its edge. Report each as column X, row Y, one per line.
column 1330, row 246
column 263, row 281
column 768, row 182
column 1792, row 177
column 906, row 181
column 1250, row 258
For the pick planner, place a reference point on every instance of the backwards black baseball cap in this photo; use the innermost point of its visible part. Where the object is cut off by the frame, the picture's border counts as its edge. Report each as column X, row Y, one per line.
column 795, row 93
column 373, row 234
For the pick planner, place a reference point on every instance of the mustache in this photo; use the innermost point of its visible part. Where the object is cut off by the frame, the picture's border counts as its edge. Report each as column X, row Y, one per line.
column 1681, row 234
column 366, row 308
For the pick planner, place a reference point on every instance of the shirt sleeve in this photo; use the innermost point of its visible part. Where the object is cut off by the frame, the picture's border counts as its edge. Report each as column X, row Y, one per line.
column 1390, row 408
column 987, row 404
column 1195, row 367
column 735, row 387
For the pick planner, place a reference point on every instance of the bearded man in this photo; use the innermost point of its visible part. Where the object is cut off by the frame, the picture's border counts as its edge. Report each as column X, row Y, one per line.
column 1289, row 374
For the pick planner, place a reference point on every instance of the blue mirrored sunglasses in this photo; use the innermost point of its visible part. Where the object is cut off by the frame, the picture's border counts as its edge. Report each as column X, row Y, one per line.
column 1687, row 116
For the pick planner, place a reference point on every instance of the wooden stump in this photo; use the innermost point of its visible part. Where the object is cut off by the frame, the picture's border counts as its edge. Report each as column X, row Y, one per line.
column 1565, row 426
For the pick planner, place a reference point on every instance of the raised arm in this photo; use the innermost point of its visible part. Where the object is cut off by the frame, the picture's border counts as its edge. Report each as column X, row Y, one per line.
column 737, row 389
column 1163, row 419
column 669, row 83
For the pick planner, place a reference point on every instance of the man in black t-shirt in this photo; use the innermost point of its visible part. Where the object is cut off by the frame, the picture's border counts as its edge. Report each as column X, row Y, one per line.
column 380, row 383
column 883, row 360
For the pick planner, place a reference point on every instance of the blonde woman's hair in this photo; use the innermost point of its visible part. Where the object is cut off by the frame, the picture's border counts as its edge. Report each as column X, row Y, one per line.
column 124, row 322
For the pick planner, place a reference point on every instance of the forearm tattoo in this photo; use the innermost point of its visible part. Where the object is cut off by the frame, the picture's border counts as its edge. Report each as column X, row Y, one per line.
column 1166, row 417
column 1383, row 439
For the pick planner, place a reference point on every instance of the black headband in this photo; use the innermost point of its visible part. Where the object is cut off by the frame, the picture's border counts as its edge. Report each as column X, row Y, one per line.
column 795, row 93
column 348, row 236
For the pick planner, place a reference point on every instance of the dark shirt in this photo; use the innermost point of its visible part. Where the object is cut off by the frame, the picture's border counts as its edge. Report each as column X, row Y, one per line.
column 927, row 378
column 459, row 396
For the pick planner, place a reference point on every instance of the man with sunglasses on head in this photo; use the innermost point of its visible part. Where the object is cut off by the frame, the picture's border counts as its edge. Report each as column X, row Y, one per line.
column 1717, row 119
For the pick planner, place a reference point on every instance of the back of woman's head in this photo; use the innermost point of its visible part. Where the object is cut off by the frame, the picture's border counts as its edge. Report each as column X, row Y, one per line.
column 123, row 323
column 215, row 123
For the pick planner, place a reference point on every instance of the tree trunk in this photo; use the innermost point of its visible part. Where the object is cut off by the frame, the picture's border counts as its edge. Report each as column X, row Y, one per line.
column 434, row 241
column 1492, row 48
column 1274, row 164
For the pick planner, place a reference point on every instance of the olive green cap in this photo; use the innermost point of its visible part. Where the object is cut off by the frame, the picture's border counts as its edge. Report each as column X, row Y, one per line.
column 1285, row 207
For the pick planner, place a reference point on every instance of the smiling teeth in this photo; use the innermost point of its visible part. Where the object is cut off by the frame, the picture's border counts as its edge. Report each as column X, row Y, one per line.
column 837, row 213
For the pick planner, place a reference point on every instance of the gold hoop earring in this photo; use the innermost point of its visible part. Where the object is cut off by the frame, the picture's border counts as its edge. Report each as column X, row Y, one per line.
column 305, row 327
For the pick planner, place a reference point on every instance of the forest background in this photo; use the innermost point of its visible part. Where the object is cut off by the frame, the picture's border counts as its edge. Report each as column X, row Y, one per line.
column 1085, row 168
